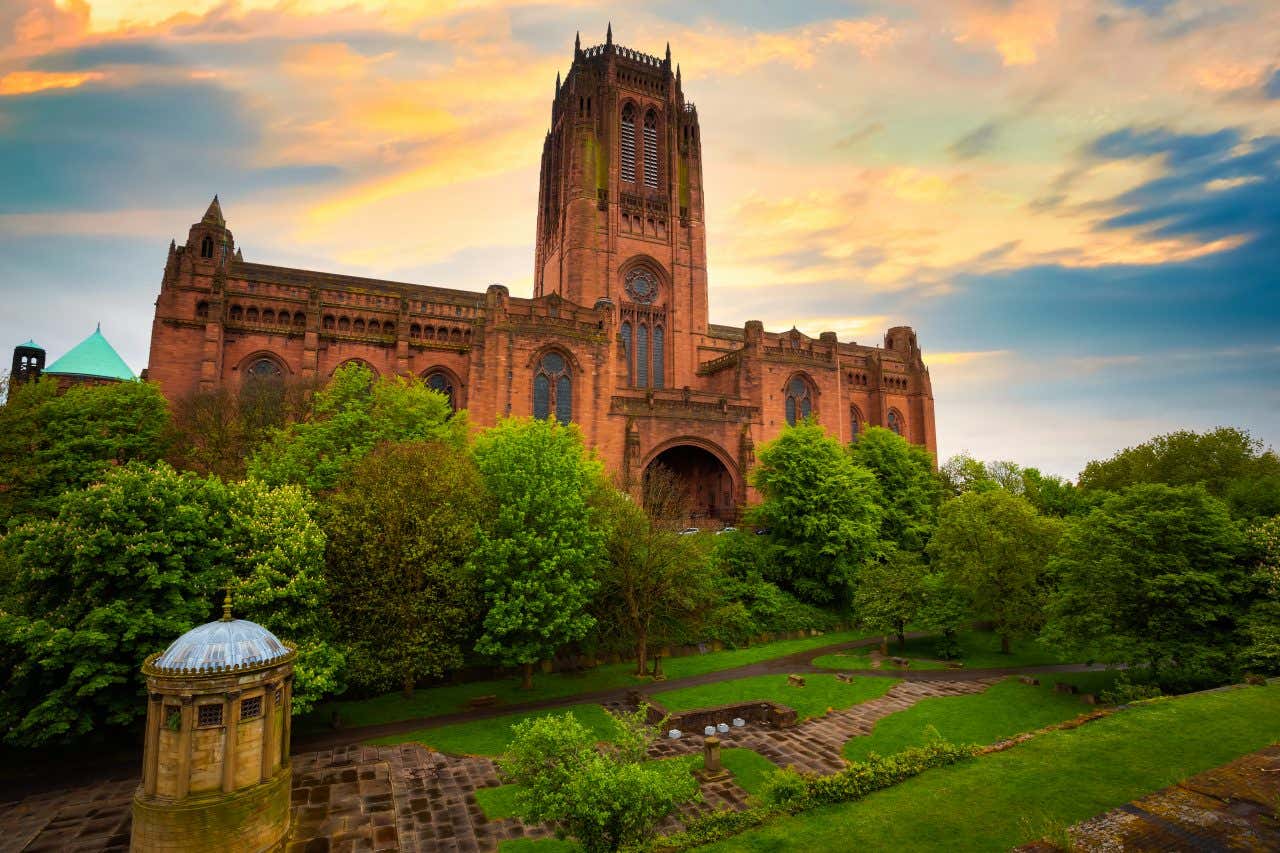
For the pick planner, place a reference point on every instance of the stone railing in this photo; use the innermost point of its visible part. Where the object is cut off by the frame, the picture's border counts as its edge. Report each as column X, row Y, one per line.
column 673, row 404
column 729, row 359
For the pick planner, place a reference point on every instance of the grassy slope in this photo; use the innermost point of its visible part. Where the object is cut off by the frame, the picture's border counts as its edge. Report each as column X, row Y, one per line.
column 981, row 650
column 749, row 768
column 999, row 801
column 1004, row 710
column 820, row 693
column 543, row 845
column 434, row 701
column 491, row 736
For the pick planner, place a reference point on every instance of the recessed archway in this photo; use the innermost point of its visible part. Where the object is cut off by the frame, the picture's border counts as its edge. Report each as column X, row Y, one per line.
column 705, row 478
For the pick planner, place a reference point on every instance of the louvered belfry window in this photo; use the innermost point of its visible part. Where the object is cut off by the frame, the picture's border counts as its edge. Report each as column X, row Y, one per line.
column 629, row 143
column 651, row 150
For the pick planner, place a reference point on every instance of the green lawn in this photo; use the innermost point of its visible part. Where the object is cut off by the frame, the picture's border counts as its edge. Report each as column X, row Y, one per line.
column 491, row 736
column 820, row 693
column 999, row 801
column 749, row 768
column 1003, row 710
column 434, row 701
column 981, row 650
column 544, row 845
column 499, row 802
column 848, row 660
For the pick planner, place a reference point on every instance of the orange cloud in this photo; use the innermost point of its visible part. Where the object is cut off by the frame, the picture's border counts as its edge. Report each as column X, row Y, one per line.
column 1017, row 31
column 29, row 82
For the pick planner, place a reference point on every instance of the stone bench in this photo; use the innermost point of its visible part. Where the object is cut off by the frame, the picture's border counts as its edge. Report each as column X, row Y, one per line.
column 486, row 701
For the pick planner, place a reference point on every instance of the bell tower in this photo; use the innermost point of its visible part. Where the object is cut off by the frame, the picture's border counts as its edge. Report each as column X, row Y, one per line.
column 620, row 213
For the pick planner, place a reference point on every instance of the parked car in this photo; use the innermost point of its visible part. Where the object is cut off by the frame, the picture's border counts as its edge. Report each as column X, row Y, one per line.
column 727, row 530
column 688, row 531
column 762, row 531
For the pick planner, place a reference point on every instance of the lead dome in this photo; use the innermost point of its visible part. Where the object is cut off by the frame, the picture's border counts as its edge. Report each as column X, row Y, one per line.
column 224, row 644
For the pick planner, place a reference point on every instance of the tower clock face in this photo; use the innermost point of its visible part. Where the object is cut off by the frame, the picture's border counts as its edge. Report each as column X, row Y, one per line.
column 642, row 286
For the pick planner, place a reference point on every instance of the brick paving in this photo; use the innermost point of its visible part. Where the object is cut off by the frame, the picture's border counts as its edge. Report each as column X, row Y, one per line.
column 1232, row 807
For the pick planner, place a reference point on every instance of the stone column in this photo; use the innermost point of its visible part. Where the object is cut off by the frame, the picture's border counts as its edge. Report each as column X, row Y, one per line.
column 231, row 724
column 268, row 731
column 286, row 721
column 182, row 784
column 151, row 751
column 711, row 755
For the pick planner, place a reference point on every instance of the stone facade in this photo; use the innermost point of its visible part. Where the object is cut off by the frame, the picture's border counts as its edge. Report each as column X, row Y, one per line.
column 616, row 337
column 216, row 771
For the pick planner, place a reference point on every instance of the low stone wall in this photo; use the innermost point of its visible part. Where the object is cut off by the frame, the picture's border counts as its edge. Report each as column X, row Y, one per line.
column 245, row 821
column 694, row 721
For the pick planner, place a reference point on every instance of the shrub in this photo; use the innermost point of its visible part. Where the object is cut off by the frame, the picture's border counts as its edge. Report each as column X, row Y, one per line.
column 1124, row 691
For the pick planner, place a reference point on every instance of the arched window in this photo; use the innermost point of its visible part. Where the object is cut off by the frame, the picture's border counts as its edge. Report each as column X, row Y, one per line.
column 642, row 356
column 651, row 150
column 855, row 423
column 202, row 310
column 206, row 247
column 629, row 143
column 344, row 324
column 799, row 400
column 236, row 313
column 329, row 322
column 358, row 326
column 269, row 316
column 375, row 327
column 626, row 353
column 438, row 381
column 415, row 331
column 659, row 356
column 895, row 421
column 552, row 390
column 299, row 319
column 264, row 370
column 251, row 315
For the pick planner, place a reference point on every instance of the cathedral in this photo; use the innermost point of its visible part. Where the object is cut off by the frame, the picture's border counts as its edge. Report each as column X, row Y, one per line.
column 616, row 337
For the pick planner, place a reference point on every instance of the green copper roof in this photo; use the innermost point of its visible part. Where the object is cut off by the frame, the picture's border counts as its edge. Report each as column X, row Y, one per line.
column 30, row 344
column 92, row 357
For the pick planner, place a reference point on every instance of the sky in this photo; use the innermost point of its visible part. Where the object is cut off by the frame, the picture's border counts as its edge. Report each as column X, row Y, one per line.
column 1075, row 204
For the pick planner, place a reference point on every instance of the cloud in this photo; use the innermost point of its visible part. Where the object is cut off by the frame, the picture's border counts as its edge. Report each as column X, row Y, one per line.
column 1018, row 30
column 976, row 142
column 30, row 82
column 1272, row 89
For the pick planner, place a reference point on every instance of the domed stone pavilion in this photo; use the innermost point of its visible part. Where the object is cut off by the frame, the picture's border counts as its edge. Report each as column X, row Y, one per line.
column 216, row 771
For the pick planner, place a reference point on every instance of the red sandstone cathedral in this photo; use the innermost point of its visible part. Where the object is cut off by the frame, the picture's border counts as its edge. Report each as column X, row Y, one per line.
column 616, row 337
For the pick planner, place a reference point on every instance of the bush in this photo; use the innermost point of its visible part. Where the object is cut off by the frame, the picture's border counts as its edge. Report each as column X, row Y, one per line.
column 1124, row 691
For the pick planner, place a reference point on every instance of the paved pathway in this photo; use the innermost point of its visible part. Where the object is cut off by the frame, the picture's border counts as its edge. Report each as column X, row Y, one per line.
column 1232, row 807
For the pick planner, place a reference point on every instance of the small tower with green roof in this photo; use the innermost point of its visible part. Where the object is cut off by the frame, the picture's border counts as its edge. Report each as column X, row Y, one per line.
column 28, row 363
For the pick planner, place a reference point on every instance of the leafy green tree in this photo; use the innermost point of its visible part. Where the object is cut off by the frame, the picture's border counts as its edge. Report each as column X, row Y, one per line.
column 349, row 417
column 654, row 584
column 821, row 511
column 944, row 609
column 1216, row 459
column 605, row 799
column 218, row 431
column 538, row 555
column 401, row 527
column 890, row 593
column 1150, row 576
column 51, row 442
column 962, row 473
column 909, row 489
column 1051, row 495
column 1262, row 622
column 128, row 565
column 994, row 546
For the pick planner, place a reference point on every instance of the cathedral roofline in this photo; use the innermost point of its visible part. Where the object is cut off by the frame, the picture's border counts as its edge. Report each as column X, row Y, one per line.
column 294, row 276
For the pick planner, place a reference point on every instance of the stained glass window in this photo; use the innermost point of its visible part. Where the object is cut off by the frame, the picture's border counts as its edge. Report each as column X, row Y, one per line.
column 626, row 353
column 440, row 382
column 799, row 402
column 855, row 424
column 895, row 421
column 642, row 357
column 553, row 389
column 659, row 356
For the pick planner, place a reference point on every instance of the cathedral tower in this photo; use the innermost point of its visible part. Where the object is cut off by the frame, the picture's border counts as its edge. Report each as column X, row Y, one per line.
column 620, row 213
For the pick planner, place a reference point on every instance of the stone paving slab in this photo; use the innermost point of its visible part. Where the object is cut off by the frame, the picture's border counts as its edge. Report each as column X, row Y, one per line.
column 1232, row 807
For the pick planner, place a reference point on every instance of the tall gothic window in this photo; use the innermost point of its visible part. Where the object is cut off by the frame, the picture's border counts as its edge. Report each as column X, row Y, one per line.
column 206, row 247
column 552, row 390
column 799, row 401
column 629, row 143
column 626, row 353
column 642, row 357
column 895, row 421
column 440, row 382
column 651, row 150
column 659, row 356
column 855, row 423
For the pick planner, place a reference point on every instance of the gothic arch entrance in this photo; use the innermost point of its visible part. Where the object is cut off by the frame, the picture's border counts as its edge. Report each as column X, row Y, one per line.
column 704, row 475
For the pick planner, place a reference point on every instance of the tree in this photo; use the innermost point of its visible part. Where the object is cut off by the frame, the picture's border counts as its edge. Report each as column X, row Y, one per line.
column 1150, row 576
column 962, row 473
column 401, row 527
column 349, row 417
column 890, row 593
column 943, row 608
column 217, row 431
column 1050, row 495
column 654, row 583
column 1262, row 621
column 1216, row 459
column 51, row 442
column 605, row 799
column 821, row 512
column 537, row 557
column 909, row 489
column 128, row 565
column 994, row 547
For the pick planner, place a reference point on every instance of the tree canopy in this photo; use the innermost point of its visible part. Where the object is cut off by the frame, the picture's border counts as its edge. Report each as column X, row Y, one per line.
column 537, row 556
column 401, row 527
column 1151, row 576
column 348, row 418
column 909, row 489
column 821, row 512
